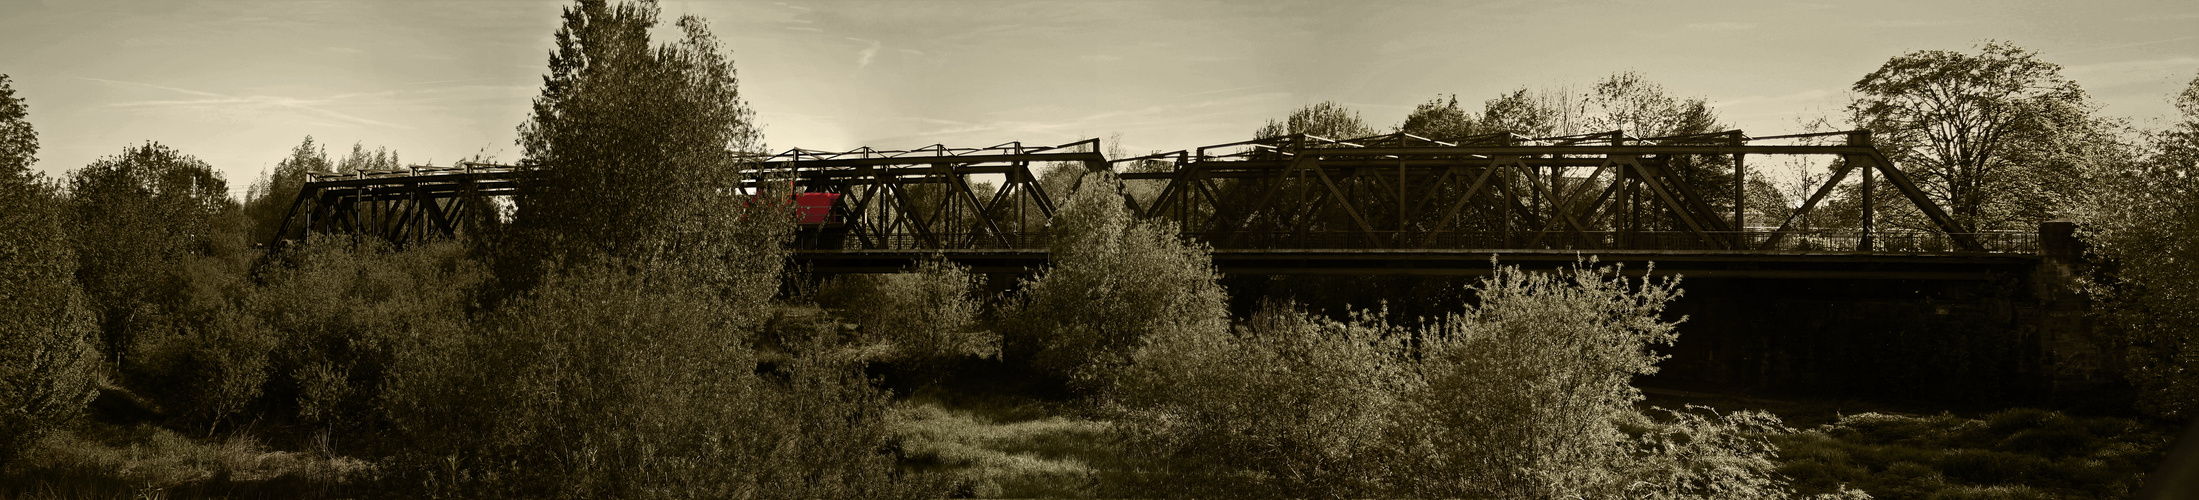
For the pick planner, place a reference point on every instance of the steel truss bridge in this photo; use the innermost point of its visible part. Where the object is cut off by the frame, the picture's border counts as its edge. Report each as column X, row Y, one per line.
column 1303, row 204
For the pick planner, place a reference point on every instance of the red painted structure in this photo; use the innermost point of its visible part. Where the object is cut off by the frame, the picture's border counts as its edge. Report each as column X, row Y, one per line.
column 815, row 208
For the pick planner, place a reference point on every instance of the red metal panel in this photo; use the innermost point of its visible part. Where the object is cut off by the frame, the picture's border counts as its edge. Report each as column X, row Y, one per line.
column 815, row 208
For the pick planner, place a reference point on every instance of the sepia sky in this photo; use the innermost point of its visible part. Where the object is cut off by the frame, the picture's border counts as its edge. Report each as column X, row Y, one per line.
column 237, row 83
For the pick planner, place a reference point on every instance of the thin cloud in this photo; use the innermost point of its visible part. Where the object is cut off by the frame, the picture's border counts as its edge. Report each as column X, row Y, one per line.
column 1232, row 90
column 1916, row 23
column 148, row 85
column 2163, row 17
column 1783, row 99
column 1146, row 116
column 1721, row 26
column 863, row 57
column 235, row 103
column 2124, row 46
column 2146, row 67
column 432, row 82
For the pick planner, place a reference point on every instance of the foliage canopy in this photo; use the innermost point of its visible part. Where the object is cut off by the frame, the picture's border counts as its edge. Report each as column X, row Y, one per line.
column 1996, row 137
column 634, row 153
column 47, row 335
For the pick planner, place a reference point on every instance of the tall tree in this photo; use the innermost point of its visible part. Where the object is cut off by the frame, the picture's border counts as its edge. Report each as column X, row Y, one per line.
column 18, row 142
column 1631, row 103
column 381, row 158
column 2143, row 223
column 1439, row 119
column 269, row 198
column 636, row 151
column 1990, row 136
column 1325, row 119
column 46, row 356
column 1634, row 105
column 1533, row 113
column 138, row 215
column 1626, row 102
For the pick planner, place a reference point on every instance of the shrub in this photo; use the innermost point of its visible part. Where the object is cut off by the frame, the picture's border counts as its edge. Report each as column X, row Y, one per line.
column 602, row 383
column 1694, row 456
column 204, row 373
column 1525, row 395
column 139, row 216
column 47, row 334
column 928, row 314
column 347, row 309
column 1114, row 283
column 1522, row 392
column 1288, row 404
column 311, row 344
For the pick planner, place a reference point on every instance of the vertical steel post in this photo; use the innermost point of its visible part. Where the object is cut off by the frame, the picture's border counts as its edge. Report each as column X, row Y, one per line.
column 1863, row 138
column 1740, row 192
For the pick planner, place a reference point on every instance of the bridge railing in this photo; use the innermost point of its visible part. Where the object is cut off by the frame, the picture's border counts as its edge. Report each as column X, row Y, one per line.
column 827, row 239
column 1790, row 241
column 1760, row 241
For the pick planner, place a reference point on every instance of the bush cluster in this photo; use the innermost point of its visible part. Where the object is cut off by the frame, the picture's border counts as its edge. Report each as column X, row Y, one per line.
column 1115, row 282
column 926, row 317
column 1526, row 394
column 602, row 383
column 601, row 380
column 47, row 334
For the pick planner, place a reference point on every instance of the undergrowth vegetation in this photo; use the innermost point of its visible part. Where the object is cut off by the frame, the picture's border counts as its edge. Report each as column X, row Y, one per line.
column 2018, row 453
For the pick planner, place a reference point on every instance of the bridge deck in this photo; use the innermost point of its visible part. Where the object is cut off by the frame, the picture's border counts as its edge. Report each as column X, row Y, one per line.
column 1473, row 262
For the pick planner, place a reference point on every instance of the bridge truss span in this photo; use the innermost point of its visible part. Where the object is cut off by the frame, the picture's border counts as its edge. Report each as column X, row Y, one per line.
column 399, row 205
column 1389, row 196
column 932, row 197
column 1601, row 191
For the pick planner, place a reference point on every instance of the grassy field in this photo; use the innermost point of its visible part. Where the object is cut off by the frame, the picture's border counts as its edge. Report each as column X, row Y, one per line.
column 1897, row 452
column 101, row 460
column 1000, row 445
column 2017, row 453
column 1012, row 455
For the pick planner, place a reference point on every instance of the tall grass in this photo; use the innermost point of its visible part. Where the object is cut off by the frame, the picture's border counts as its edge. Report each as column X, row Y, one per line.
column 1050, row 457
column 97, row 460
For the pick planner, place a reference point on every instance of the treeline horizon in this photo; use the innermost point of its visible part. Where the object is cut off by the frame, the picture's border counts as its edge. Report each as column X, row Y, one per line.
column 625, row 328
